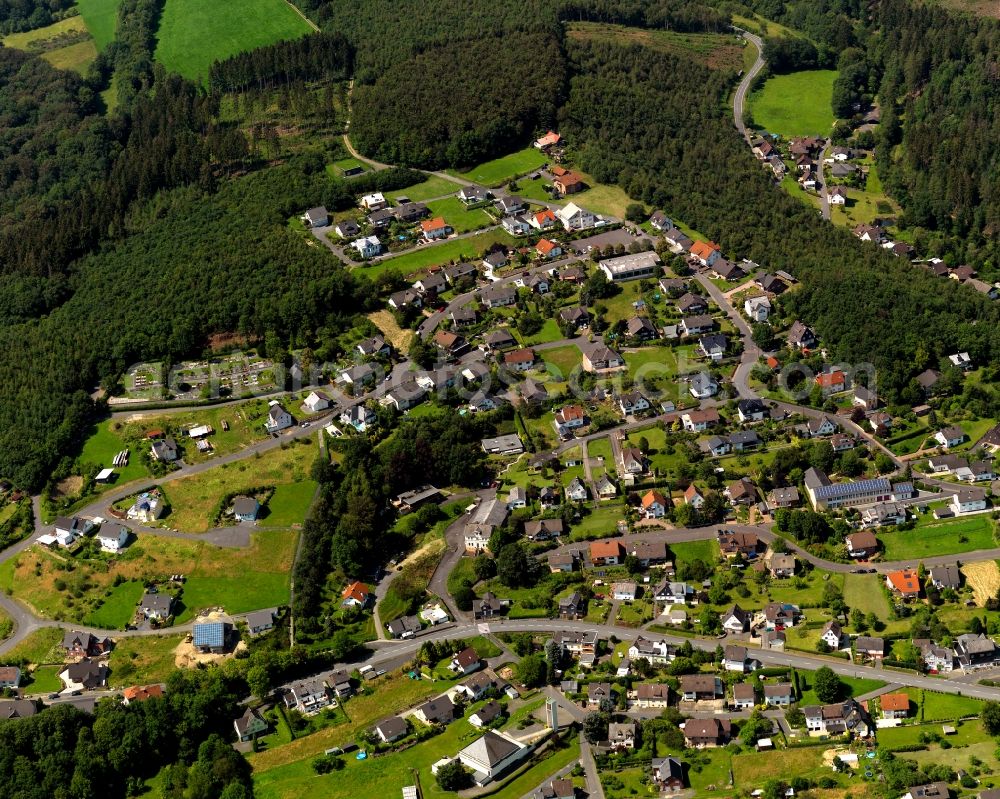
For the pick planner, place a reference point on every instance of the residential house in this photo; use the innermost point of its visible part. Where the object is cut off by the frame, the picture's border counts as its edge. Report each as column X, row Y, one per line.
column 702, row 386
column 697, row 421
column 693, row 497
column 581, row 645
column 936, row 659
column 437, row 711
column 245, row 509
column 949, row 437
column 606, row 489
column 600, row 358
column 164, row 450
column 113, row 538
column 607, row 553
column 498, row 296
column 576, row 491
column 511, row 205
column 934, row 790
column 367, row 246
column 707, row 733
column 726, row 270
column 10, row 677
column 779, row 695
column 751, row 410
column 651, row 553
column 317, row 217
column 832, row 635
column 837, row 719
column 473, row 195
column 392, row 729
column 946, row 575
column 633, row 461
column 450, row 344
column 562, row 562
column 678, row 240
column 744, row 696
column 493, row 754
column 781, row 614
column 260, row 621
column 737, row 542
column 404, row 627
column 548, row 249
column 465, row 662
column 572, row 606
column 668, row 774
column 517, row 498
column 869, row 649
column 250, row 725
column 968, row 500
column 516, row 225
column 895, row 706
column 673, row 592
column 84, row 675
column 79, row 644
column 696, row 325
column 569, row 418
column 974, row 651
column 801, row 337
column 521, row 360
column 904, row 582
column 657, row 652
column 510, row 444
column 360, row 417
column 736, row 658
column 784, row 497
column 700, row 687
column 356, row 595
column 211, row 637
column 863, row 544
column 654, row 505
column 713, row 346
column 781, row 566
column 660, row 221
column 278, row 418
column 624, row 591
column 598, row 692
column 741, row 492
column 573, row 217
column 543, row 529
column 735, row 620
column 706, row 252
column 621, row 735
column 652, row 695
column 488, row 607
column 156, row 607
column 576, row 317
column 499, row 340
column 374, row 202
column 757, row 309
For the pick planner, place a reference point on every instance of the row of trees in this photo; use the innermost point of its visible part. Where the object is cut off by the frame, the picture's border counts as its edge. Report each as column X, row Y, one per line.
column 327, row 56
column 26, row 15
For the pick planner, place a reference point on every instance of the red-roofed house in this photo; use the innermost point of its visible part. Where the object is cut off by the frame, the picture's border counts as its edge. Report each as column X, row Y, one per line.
column 693, row 498
column 521, row 360
column 569, row 183
column 356, row 595
column 706, row 252
column 606, row 553
column 434, row 228
column 904, row 582
column 543, row 220
column 550, row 139
column 654, row 505
column 140, row 693
column 832, row 382
column 548, row 248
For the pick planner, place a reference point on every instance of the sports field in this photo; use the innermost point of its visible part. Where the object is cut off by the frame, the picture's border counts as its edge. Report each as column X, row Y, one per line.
column 194, row 33
column 797, row 104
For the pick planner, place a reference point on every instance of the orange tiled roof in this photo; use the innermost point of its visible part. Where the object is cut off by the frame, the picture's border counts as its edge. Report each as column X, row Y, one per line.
column 905, row 581
column 651, row 497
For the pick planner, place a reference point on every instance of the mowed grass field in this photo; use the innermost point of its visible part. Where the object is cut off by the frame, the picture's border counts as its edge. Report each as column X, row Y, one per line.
column 424, row 257
column 101, row 18
column 797, row 104
column 193, row 499
column 501, row 170
column 945, row 538
column 77, row 56
column 240, row 580
column 194, row 33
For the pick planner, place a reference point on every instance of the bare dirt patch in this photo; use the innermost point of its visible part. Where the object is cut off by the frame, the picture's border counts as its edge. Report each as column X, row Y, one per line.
column 983, row 578
column 386, row 322
column 221, row 341
column 187, row 657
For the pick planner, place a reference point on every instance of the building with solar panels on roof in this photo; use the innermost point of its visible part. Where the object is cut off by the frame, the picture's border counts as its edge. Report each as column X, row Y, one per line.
column 211, row 637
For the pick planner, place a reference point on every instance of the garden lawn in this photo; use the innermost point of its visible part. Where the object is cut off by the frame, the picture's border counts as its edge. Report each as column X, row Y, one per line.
column 501, row 170
column 338, row 168
column 138, row 661
column 550, row 332
column 460, row 218
column 434, row 186
column 561, row 361
column 601, row 448
column 432, row 255
column 797, row 104
column 288, row 505
column 103, row 444
column 194, row 500
column 101, row 18
column 687, row 551
column 968, row 732
column 651, row 362
column 45, row 680
column 943, row 538
column 864, row 591
column 193, row 33
column 600, row 522
column 118, row 608
column 602, row 199
column 949, row 706
column 751, row 770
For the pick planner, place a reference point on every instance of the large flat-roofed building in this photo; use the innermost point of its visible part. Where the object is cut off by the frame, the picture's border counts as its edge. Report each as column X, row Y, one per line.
column 630, row 267
column 826, row 495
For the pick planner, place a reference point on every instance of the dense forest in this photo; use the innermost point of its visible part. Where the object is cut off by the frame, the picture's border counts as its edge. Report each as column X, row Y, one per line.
column 623, row 117
column 26, row 15
column 131, row 52
column 67, row 754
column 940, row 72
column 441, row 108
column 322, row 55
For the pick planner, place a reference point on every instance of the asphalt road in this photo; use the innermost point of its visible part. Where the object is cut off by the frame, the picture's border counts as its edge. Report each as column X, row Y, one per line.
column 739, row 98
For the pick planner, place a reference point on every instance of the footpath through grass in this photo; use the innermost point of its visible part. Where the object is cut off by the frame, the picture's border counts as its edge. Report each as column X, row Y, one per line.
column 797, row 104
column 194, row 33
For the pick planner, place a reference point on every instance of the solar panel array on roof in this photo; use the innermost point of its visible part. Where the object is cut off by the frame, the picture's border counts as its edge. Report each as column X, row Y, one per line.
column 875, row 485
column 212, row 634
